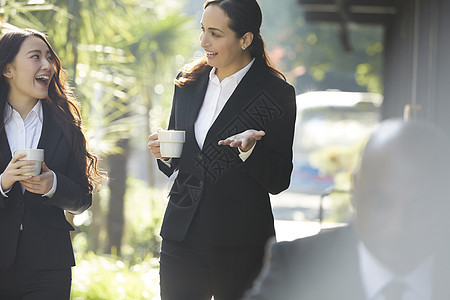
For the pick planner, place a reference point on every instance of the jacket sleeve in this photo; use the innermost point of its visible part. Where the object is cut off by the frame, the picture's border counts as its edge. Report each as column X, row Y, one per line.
column 270, row 163
column 168, row 168
column 69, row 194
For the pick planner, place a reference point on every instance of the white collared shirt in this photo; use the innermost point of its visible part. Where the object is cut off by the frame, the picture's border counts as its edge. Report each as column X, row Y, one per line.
column 375, row 276
column 217, row 95
column 23, row 134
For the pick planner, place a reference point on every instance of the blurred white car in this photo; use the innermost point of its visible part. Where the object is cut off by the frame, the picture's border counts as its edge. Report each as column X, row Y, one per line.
column 329, row 118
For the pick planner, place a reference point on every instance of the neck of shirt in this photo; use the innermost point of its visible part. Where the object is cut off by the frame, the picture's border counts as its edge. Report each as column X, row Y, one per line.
column 217, row 95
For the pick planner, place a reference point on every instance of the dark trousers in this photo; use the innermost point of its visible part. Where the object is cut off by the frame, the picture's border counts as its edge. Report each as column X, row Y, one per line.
column 192, row 270
column 21, row 283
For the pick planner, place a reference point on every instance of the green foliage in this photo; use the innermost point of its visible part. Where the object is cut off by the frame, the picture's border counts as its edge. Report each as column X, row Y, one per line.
column 334, row 159
column 104, row 278
column 22, row 13
column 144, row 210
column 339, row 206
column 319, row 49
column 115, row 52
column 135, row 275
column 296, row 46
column 144, row 207
column 365, row 76
column 339, row 161
column 139, row 43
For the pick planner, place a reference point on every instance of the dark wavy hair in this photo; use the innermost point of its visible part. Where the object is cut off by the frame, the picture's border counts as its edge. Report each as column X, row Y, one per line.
column 245, row 16
column 61, row 102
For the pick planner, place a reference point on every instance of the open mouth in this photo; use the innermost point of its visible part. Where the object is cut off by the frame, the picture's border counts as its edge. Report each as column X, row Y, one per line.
column 43, row 80
column 210, row 54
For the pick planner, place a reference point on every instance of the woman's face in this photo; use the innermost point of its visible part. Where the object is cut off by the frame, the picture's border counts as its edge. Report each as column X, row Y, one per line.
column 30, row 72
column 223, row 49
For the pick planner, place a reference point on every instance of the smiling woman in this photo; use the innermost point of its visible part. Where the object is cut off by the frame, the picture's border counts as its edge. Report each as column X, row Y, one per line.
column 224, row 50
column 29, row 74
column 37, row 110
column 238, row 115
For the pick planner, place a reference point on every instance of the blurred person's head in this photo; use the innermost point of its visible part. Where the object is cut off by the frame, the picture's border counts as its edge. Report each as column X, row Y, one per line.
column 400, row 193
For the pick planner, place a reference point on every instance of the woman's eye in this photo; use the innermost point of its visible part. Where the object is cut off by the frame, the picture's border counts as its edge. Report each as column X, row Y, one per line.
column 35, row 56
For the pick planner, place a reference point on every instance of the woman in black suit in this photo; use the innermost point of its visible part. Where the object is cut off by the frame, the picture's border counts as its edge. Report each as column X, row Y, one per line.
column 37, row 110
column 238, row 114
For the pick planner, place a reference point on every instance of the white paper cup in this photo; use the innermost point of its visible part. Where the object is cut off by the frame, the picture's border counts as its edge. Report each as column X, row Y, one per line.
column 35, row 155
column 171, row 142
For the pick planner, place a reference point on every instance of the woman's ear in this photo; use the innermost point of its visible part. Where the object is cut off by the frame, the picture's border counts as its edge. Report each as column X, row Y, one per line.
column 246, row 40
column 7, row 71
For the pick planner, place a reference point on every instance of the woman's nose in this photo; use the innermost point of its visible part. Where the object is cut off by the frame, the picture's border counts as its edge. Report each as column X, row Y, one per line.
column 203, row 40
column 46, row 64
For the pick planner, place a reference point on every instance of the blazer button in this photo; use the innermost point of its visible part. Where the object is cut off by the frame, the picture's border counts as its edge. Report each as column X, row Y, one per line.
column 199, row 156
column 20, row 203
column 200, row 183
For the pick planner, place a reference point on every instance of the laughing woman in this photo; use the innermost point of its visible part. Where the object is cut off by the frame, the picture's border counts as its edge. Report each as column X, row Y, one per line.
column 238, row 114
column 37, row 110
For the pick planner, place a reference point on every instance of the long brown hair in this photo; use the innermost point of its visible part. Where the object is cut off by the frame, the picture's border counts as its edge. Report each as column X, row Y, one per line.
column 61, row 103
column 245, row 16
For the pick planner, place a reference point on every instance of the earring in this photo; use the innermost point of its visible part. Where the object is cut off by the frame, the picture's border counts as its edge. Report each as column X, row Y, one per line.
column 243, row 48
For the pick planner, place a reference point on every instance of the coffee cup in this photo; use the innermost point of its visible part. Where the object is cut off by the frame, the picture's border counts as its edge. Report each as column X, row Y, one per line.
column 35, row 155
column 171, row 142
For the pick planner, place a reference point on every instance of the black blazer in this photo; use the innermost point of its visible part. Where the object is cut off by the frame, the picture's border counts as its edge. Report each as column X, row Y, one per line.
column 325, row 267
column 230, row 198
column 45, row 234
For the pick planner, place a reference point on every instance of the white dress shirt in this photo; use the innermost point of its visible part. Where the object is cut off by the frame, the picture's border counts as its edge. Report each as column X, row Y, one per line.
column 375, row 276
column 25, row 134
column 217, row 95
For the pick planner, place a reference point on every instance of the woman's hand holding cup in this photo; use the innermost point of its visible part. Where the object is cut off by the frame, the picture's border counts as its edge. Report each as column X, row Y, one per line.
column 14, row 171
column 154, row 145
column 166, row 144
column 40, row 184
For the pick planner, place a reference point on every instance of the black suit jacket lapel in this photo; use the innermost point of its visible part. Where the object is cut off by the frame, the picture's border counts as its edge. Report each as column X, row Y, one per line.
column 5, row 150
column 194, row 98
column 189, row 102
column 49, row 139
column 50, row 135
